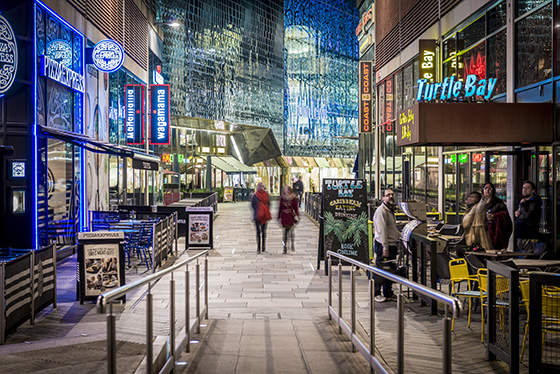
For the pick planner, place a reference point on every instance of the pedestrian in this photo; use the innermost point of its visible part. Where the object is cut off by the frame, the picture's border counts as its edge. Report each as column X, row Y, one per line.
column 498, row 222
column 385, row 246
column 474, row 222
column 260, row 202
column 288, row 216
column 298, row 189
column 528, row 217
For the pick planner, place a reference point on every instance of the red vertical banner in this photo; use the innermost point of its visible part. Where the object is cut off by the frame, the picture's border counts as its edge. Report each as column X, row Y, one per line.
column 389, row 105
column 366, row 86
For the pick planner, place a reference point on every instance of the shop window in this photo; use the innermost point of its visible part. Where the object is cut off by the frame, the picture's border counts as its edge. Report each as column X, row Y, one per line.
column 408, row 83
column 449, row 47
column 534, row 53
column 496, row 61
column 398, row 92
column 523, row 6
column 381, row 107
column 539, row 94
column 474, row 62
column 471, row 34
column 496, row 17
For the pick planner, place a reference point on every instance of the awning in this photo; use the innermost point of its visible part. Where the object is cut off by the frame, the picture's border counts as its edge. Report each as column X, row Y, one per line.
column 475, row 124
column 238, row 165
column 97, row 146
column 222, row 165
column 322, row 162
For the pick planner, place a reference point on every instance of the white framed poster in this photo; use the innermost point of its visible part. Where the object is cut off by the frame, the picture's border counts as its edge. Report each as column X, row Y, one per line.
column 199, row 227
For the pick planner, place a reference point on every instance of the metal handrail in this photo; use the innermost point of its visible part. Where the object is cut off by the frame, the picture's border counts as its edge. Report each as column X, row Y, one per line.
column 111, row 296
column 368, row 350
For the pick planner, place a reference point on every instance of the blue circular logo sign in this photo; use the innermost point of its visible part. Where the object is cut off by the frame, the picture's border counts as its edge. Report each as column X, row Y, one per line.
column 108, row 55
column 60, row 51
column 8, row 55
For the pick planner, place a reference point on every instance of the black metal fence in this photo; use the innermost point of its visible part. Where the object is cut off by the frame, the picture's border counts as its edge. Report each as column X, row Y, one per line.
column 501, row 284
column 210, row 200
column 27, row 285
column 544, row 323
column 313, row 205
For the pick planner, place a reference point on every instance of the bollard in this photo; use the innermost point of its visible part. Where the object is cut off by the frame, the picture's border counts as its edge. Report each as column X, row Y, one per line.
column 339, row 295
column 353, row 303
column 172, row 318
column 149, row 331
column 187, row 309
column 111, row 342
column 400, row 333
column 206, row 286
column 197, row 297
column 371, row 319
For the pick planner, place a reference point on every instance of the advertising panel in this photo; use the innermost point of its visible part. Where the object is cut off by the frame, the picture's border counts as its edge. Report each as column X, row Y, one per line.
column 134, row 118
column 199, row 227
column 366, row 101
column 345, row 218
column 160, row 114
column 228, row 194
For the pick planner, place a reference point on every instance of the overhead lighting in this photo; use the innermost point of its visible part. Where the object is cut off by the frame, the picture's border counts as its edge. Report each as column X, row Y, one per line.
column 174, row 24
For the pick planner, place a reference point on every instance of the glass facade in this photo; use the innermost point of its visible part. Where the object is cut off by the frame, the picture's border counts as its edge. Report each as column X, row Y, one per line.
column 321, row 77
column 225, row 61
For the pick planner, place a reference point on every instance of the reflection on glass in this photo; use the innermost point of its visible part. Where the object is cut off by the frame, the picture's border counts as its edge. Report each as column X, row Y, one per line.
column 498, row 175
column 18, row 201
column 496, row 62
column 450, row 180
column 523, row 6
column 496, row 17
column 471, row 34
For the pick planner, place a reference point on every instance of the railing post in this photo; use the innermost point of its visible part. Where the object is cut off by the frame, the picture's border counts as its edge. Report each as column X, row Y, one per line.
column 187, row 309
column 154, row 247
column 176, row 234
column 32, row 284
column 111, row 342
column 371, row 319
column 400, row 333
column 172, row 318
column 149, row 331
column 206, row 286
column 329, row 264
column 2, row 303
column 197, row 297
column 353, row 303
column 54, row 274
column 339, row 295
column 446, row 342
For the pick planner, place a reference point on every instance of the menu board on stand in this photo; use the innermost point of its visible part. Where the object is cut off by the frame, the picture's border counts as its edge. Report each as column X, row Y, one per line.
column 199, row 227
column 100, row 263
column 345, row 218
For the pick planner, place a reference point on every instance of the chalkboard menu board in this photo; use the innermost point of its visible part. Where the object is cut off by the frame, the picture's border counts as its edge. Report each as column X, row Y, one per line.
column 345, row 218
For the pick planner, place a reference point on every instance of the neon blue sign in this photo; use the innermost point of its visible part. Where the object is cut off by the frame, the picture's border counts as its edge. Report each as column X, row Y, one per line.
column 60, row 51
column 8, row 55
column 159, row 114
column 61, row 74
column 451, row 88
column 108, row 55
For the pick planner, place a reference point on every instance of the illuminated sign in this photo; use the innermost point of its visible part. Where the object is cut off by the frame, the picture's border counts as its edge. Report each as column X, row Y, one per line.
column 406, row 124
column 134, row 113
column 8, row 55
column 60, row 51
column 62, row 74
column 160, row 114
column 157, row 78
column 18, row 169
column 389, row 105
column 108, row 55
column 365, row 96
column 427, row 56
column 451, row 88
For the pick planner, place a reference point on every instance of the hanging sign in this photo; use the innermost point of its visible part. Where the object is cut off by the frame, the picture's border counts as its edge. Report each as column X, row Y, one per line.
column 345, row 224
column 134, row 113
column 365, row 96
column 160, row 116
column 60, row 51
column 427, row 56
column 62, row 74
column 453, row 88
column 107, row 55
column 8, row 55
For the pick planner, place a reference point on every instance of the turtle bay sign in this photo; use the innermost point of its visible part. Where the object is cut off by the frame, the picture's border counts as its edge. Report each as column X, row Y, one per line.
column 8, row 55
column 453, row 88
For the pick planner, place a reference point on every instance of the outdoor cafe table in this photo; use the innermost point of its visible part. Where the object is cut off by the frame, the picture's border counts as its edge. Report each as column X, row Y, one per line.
column 498, row 256
column 534, row 263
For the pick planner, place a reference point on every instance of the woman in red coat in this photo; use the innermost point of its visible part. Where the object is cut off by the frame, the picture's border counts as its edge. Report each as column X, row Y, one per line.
column 288, row 216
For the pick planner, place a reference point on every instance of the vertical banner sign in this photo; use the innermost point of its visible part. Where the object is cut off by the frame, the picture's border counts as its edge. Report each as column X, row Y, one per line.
column 389, row 105
column 134, row 118
column 345, row 218
column 427, row 56
column 160, row 114
column 365, row 96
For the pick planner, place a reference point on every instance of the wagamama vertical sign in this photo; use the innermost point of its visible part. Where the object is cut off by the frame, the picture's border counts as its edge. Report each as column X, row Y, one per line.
column 134, row 113
column 160, row 114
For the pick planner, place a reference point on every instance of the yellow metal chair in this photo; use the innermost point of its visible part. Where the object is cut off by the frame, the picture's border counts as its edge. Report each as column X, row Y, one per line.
column 459, row 272
column 524, row 286
column 502, row 288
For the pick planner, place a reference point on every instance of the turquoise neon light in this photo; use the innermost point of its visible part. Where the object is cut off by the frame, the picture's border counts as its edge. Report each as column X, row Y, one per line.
column 450, row 87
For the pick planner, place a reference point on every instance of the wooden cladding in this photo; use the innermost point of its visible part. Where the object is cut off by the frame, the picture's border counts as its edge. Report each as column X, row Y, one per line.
column 108, row 16
column 417, row 16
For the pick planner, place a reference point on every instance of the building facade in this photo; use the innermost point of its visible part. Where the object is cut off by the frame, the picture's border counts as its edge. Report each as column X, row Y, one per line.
column 509, row 43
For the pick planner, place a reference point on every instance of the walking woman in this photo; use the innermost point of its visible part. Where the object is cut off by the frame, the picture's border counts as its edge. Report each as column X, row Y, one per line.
column 288, row 216
column 260, row 203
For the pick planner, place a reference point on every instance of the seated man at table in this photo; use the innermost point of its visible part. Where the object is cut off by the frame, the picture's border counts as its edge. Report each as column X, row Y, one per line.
column 474, row 222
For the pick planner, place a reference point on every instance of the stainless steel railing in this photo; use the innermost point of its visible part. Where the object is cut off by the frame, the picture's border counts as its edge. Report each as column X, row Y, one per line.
column 452, row 305
column 109, row 297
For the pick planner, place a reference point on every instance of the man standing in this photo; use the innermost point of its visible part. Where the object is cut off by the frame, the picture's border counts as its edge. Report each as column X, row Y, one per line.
column 298, row 189
column 528, row 217
column 386, row 239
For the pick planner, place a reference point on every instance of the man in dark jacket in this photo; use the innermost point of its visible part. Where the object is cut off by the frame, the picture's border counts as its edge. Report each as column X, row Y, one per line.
column 298, row 189
column 528, row 216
